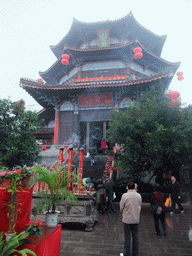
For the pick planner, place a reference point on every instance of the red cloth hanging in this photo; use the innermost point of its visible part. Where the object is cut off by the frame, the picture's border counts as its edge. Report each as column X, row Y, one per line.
column 46, row 244
column 103, row 144
column 24, row 210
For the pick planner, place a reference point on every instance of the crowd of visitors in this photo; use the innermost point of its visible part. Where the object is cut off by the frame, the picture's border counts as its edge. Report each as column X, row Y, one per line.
column 130, row 207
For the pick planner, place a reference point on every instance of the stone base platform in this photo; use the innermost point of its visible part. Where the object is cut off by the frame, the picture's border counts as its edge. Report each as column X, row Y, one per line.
column 83, row 211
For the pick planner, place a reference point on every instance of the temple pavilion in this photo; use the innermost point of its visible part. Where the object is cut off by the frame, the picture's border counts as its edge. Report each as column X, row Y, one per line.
column 102, row 74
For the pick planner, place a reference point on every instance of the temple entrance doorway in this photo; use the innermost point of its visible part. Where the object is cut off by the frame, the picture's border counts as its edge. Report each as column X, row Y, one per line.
column 91, row 133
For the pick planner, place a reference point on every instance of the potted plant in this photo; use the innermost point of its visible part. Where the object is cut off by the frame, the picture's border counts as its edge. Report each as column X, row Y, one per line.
column 4, row 177
column 25, row 174
column 8, row 247
column 58, row 190
column 12, row 202
column 34, row 228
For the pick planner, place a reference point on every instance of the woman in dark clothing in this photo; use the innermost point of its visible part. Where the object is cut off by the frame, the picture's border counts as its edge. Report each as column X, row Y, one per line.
column 159, row 199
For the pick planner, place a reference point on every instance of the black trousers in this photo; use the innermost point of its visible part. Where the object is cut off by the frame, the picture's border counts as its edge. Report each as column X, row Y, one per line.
column 110, row 203
column 131, row 233
column 173, row 204
column 159, row 218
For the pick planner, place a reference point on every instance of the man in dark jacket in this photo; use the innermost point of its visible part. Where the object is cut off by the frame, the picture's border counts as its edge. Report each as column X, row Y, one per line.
column 175, row 195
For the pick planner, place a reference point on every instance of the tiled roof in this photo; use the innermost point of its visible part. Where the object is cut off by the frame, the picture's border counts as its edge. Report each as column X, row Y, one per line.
column 57, row 70
column 33, row 84
column 129, row 20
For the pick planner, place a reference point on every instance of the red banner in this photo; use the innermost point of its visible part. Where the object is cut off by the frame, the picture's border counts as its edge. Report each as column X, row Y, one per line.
column 70, row 160
column 80, row 175
column 81, row 159
column 60, row 157
column 96, row 100
column 93, row 79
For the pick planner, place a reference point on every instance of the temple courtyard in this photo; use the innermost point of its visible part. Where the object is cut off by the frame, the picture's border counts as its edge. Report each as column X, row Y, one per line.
column 107, row 237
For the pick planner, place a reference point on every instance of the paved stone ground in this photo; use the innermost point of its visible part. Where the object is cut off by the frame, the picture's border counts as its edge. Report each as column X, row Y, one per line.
column 107, row 237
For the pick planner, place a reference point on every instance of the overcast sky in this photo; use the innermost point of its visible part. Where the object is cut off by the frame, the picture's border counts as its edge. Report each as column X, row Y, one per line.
column 29, row 27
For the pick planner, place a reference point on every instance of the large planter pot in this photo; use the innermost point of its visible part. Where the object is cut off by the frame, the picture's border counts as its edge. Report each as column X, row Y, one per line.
column 51, row 219
column 9, row 235
column 25, row 181
column 32, row 239
column 7, row 183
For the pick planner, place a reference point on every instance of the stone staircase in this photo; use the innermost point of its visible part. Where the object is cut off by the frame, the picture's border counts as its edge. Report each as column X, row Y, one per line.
column 96, row 171
column 50, row 157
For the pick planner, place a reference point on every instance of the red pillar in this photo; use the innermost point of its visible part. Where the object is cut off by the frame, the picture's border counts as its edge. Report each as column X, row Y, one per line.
column 70, row 161
column 56, row 130
column 80, row 170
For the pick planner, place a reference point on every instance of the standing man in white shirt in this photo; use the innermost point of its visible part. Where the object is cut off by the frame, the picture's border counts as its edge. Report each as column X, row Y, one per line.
column 130, row 207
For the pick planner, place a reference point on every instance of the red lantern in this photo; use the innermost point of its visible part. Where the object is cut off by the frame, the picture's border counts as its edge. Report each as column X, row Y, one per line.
column 65, row 62
column 40, row 80
column 65, row 56
column 138, row 55
column 43, row 148
column 173, row 95
column 137, row 49
column 180, row 73
column 180, row 78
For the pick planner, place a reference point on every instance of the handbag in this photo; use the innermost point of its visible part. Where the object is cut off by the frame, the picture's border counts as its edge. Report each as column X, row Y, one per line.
column 156, row 209
column 168, row 202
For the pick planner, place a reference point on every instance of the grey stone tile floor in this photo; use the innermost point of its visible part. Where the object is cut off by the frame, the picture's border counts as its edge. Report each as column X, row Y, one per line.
column 107, row 238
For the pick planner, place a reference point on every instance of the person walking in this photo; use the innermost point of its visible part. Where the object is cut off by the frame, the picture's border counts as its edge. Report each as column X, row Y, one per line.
column 110, row 187
column 158, row 199
column 130, row 207
column 93, row 152
column 175, row 195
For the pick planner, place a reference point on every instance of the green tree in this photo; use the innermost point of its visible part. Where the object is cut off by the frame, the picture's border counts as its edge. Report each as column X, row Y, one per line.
column 152, row 134
column 18, row 143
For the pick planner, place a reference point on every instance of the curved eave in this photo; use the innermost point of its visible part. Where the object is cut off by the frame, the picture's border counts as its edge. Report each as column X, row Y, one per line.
column 80, row 26
column 49, row 91
column 34, row 85
column 57, row 70
column 45, row 114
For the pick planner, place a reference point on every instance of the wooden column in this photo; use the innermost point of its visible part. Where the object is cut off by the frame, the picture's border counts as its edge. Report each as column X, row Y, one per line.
column 76, row 126
column 56, row 130
column 104, row 130
column 87, row 137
